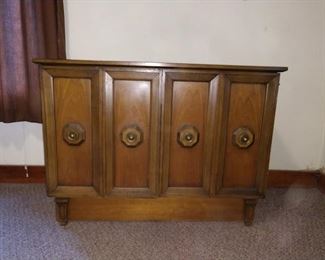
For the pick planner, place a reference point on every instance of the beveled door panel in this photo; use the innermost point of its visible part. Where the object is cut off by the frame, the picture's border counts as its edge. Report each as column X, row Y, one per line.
column 131, row 108
column 72, row 103
column 189, row 107
column 245, row 129
column 189, row 117
column 71, row 118
column 245, row 110
column 133, row 130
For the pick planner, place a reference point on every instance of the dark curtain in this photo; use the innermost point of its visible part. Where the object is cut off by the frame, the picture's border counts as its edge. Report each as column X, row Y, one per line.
column 28, row 29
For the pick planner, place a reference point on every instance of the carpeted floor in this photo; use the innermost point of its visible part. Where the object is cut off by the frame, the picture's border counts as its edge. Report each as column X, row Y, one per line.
column 289, row 224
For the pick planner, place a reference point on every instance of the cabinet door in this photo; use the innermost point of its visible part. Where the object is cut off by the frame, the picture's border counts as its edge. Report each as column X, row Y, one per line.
column 189, row 118
column 132, row 131
column 245, row 132
column 71, row 121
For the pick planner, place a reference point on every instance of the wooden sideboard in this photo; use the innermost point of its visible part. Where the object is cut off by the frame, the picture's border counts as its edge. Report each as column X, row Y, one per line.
column 156, row 141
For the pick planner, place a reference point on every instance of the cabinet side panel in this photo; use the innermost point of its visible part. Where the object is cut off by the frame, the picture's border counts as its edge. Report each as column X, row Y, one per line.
column 72, row 102
column 246, row 107
column 131, row 108
column 189, row 107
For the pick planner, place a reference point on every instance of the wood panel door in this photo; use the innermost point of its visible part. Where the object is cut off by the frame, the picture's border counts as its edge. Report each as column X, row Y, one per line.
column 71, row 100
column 188, row 123
column 132, row 131
column 245, row 132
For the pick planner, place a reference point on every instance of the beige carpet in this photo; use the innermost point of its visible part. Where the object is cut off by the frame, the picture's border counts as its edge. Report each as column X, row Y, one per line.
column 290, row 224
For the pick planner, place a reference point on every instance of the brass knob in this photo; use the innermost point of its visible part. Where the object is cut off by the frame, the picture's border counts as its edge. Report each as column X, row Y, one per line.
column 188, row 136
column 243, row 137
column 73, row 134
column 131, row 136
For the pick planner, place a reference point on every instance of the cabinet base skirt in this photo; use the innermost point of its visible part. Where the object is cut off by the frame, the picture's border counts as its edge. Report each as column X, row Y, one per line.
column 159, row 209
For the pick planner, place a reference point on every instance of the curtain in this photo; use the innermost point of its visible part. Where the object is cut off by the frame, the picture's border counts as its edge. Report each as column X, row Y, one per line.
column 28, row 29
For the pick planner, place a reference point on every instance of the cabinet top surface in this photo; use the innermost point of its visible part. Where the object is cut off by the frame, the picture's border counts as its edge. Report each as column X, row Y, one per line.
column 57, row 62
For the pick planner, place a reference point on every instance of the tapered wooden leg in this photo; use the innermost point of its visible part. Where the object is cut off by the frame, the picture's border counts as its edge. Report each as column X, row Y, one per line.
column 249, row 211
column 61, row 208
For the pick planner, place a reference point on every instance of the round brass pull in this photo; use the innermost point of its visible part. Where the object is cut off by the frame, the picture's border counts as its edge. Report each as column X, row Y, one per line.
column 74, row 134
column 243, row 137
column 188, row 136
column 131, row 136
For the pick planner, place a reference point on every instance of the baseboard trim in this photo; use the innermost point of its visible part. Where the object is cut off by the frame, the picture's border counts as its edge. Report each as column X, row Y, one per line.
column 276, row 178
column 289, row 178
column 298, row 179
column 18, row 174
column 321, row 182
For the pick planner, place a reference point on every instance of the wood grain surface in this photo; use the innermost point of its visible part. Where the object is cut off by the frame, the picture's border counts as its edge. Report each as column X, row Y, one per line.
column 159, row 179
column 131, row 107
column 190, row 103
column 123, row 209
column 136, row 64
column 132, row 99
column 246, row 110
column 72, row 102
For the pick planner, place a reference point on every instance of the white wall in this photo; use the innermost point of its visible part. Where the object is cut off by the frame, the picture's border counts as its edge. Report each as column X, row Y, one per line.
column 323, row 66
column 286, row 33
column 21, row 144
